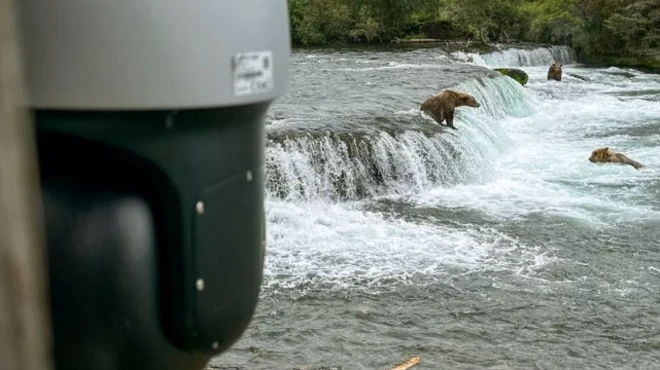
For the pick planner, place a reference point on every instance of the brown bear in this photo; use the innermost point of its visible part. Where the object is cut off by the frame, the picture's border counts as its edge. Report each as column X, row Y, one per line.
column 441, row 107
column 554, row 73
column 605, row 155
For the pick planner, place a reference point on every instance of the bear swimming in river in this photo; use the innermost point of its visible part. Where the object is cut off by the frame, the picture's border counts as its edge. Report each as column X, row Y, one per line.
column 441, row 107
column 554, row 73
column 605, row 155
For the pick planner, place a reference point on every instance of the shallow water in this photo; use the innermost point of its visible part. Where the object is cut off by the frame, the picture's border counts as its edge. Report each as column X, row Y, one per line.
column 496, row 246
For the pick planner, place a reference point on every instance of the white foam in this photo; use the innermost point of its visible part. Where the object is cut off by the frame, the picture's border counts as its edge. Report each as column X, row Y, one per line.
column 338, row 245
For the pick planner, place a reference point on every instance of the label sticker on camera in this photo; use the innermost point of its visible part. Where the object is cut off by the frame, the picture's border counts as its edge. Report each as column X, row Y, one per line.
column 253, row 72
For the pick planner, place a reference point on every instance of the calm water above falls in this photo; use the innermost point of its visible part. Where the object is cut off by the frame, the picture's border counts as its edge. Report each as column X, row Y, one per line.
column 496, row 246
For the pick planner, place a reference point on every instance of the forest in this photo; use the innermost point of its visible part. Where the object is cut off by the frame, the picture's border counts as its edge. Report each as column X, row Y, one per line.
column 596, row 29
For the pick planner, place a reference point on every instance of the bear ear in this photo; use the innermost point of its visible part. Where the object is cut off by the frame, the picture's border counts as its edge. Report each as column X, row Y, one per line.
column 606, row 148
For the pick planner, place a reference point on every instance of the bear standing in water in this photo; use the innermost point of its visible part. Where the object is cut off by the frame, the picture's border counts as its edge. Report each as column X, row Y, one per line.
column 605, row 155
column 441, row 107
column 554, row 73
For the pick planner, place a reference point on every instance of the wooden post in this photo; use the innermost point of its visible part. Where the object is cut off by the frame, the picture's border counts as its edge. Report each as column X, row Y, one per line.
column 25, row 335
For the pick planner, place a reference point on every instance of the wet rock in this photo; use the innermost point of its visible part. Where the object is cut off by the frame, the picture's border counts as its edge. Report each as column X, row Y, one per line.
column 579, row 77
column 517, row 74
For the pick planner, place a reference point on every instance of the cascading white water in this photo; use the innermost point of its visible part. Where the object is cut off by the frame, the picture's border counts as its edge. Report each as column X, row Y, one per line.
column 333, row 165
column 514, row 57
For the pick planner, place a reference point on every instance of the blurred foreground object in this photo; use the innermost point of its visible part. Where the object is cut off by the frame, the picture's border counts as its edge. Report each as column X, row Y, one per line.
column 150, row 130
column 24, row 322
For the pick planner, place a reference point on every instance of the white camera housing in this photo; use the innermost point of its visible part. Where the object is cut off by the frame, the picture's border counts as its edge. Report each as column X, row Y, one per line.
column 154, row 54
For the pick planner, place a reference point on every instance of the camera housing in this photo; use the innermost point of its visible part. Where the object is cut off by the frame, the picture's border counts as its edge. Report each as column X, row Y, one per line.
column 150, row 131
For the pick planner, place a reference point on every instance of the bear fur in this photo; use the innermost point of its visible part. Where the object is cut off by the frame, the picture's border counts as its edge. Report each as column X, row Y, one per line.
column 554, row 73
column 441, row 107
column 605, row 155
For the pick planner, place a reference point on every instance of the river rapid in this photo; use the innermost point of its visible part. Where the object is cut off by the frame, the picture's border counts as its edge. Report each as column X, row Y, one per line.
column 495, row 246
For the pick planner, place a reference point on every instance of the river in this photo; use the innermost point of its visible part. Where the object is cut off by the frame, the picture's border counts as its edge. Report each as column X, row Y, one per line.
column 495, row 246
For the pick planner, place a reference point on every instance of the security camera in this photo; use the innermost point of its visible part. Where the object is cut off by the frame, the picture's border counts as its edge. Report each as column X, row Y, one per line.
column 150, row 129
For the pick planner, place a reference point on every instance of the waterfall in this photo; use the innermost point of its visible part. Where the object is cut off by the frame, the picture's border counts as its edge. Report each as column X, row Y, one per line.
column 349, row 165
column 514, row 57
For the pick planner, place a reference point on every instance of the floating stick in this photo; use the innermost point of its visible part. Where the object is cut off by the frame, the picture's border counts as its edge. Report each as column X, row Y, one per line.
column 408, row 364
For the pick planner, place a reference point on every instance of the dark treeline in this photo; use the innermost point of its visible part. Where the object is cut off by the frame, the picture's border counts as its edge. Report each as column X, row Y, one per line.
column 591, row 27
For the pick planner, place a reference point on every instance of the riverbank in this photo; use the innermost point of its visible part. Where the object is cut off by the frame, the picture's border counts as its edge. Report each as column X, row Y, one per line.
column 644, row 63
column 449, row 46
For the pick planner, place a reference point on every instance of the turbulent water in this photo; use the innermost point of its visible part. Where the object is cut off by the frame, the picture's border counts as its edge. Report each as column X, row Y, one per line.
column 495, row 246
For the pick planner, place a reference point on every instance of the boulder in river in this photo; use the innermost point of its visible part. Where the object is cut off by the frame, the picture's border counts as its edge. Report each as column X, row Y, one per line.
column 579, row 77
column 516, row 74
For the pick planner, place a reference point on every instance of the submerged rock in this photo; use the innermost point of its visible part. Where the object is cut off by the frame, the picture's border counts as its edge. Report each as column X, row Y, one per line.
column 516, row 74
column 579, row 77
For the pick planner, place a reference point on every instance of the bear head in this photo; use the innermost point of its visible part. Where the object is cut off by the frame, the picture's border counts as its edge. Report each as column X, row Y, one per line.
column 599, row 155
column 554, row 67
column 469, row 100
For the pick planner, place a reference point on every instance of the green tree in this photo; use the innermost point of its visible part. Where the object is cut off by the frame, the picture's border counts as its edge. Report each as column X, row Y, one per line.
column 485, row 20
column 591, row 27
column 319, row 21
column 638, row 25
column 554, row 21
column 322, row 21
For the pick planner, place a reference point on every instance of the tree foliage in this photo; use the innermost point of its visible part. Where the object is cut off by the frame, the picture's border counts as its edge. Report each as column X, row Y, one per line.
column 323, row 21
column 486, row 20
column 591, row 26
column 554, row 21
column 637, row 25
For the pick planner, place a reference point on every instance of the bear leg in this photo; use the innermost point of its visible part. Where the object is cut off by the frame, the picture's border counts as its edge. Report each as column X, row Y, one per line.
column 450, row 119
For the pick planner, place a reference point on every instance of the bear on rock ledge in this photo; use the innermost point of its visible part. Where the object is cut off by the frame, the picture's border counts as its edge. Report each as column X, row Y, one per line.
column 442, row 106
